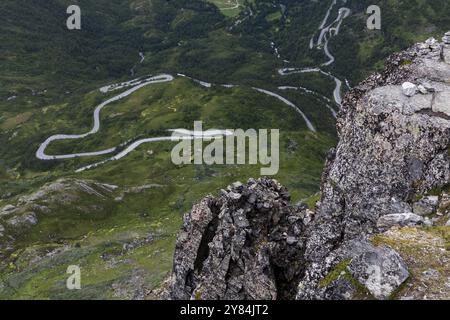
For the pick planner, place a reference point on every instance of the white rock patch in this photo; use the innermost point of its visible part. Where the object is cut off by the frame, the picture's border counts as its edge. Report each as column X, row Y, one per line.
column 409, row 89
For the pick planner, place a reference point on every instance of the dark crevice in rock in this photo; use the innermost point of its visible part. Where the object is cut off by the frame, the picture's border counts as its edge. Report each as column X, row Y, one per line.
column 203, row 249
column 287, row 277
column 431, row 113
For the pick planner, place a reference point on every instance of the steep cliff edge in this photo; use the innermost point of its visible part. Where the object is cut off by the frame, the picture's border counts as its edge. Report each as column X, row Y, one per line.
column 387, row 178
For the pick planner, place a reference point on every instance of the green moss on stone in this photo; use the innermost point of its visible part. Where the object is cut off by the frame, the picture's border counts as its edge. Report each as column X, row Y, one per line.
column 341, row 270
column 334, row 274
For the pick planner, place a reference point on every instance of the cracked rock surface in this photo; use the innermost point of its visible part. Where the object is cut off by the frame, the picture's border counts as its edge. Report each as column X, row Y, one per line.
column 246, row 244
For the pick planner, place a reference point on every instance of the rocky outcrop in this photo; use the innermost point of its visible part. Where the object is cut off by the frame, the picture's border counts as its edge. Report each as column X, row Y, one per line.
column 393, row 147
column 246, row 244
column 394, row 136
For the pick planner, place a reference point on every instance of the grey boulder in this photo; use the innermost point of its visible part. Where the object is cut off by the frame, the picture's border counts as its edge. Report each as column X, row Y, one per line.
column 441, row 103
column 26, row 220
column 399, row 219
column 426, row 206
column 380, row 270
column 409, row 89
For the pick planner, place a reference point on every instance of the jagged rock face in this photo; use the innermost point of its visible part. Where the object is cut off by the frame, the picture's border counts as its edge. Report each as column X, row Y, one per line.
column 393, row 146
column 246, row 244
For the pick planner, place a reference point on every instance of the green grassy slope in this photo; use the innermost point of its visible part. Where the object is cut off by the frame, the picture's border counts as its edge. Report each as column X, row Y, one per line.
column 124, row 242
column 85, row 235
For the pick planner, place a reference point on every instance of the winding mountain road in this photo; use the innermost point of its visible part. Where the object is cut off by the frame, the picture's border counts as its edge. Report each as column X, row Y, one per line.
column 290, row 104
column 135, row 85
column 337, row 90
column 235, row 6
column 183, row 134
column 326, row 32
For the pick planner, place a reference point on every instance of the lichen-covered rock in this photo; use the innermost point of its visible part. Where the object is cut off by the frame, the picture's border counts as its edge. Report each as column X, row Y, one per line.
column 362, row 271
column 426, row 205
column 392, row 149
column 246, row 244
column 440, row 104
column 379, row 269
column 409, row 89
column 400, row 219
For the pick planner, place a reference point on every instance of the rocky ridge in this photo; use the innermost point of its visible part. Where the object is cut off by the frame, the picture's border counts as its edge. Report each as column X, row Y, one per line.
column 246, row 244
column 389, row 170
